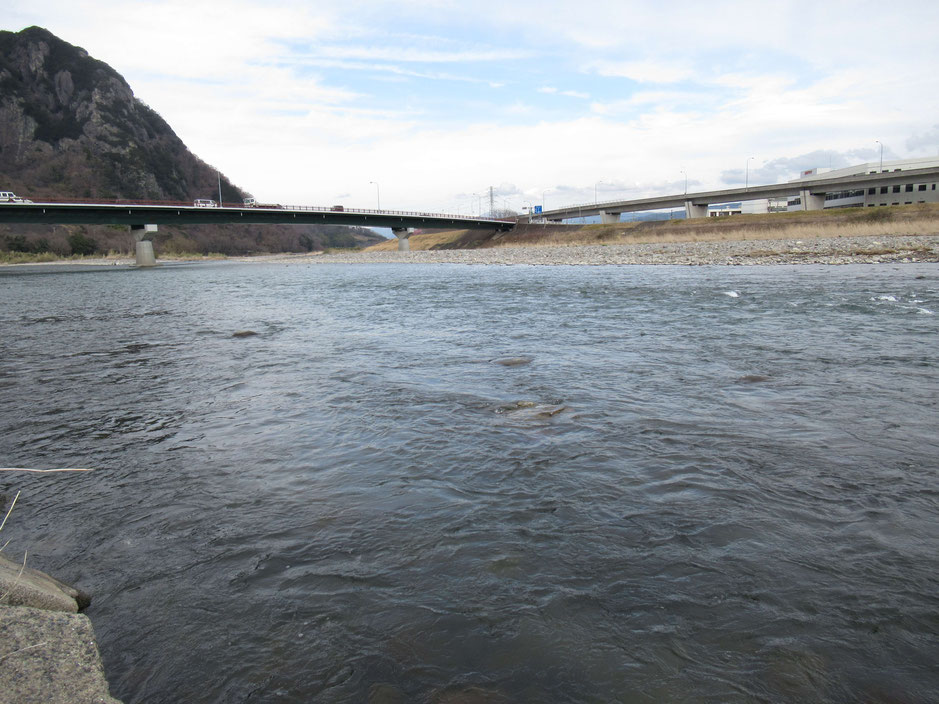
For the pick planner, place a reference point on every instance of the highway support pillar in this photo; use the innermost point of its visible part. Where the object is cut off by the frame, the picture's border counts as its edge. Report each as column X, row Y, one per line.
column 693, row 210
column 402, row 233
column 145, row 255
column 609, row 218
column 810, row 201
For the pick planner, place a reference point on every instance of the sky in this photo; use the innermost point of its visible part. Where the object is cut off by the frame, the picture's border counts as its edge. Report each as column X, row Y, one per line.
column 425, row 105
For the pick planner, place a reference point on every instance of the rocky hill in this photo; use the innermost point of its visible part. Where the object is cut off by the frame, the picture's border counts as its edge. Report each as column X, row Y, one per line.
column 70, row 127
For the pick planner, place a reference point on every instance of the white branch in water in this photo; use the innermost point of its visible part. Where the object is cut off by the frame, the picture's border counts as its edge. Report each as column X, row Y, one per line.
column 9, row 511
column 43, row 471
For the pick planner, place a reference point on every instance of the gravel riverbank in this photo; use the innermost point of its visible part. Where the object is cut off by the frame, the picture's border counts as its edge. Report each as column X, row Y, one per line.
column 837, row 250
column 841, row 250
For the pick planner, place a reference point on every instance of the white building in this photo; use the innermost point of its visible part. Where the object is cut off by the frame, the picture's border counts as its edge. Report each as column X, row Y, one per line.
column 908, row 194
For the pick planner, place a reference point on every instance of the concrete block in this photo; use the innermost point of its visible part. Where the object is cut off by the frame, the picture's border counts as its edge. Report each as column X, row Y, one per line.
column 49, row 657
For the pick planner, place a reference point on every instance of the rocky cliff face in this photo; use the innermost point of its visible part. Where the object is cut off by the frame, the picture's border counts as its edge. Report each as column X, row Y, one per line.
column 70, row 127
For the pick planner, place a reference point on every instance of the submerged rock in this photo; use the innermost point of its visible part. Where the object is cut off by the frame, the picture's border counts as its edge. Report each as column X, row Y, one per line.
column 752, row 379
column 513, row 361
column 514, row 406
column 531, row 409
column 469, row 695
column 550, row 411
column 384, row 693
column 244, row 333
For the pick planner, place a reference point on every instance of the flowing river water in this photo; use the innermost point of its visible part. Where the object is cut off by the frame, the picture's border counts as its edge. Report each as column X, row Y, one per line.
column 471, row 484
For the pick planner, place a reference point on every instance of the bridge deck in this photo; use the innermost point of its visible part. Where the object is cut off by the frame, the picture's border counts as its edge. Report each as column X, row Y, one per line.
column 148, row 214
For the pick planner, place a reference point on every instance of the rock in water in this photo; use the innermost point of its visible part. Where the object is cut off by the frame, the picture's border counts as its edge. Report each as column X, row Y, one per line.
column 513, row 361
column 752, row 379
column 244, row 333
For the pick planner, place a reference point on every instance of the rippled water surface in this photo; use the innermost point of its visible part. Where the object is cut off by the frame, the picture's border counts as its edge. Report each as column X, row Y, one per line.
column 485, row 484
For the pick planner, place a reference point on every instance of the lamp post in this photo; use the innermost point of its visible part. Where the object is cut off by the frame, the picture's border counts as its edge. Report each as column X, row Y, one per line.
column 542, row 198
column 686, row 181
column 219, row 176
column 747, row 182
column 595, row 191
column 377, row 193
column 881, row 154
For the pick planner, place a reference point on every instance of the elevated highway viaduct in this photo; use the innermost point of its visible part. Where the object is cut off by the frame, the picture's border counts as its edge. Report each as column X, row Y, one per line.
column 812, row 191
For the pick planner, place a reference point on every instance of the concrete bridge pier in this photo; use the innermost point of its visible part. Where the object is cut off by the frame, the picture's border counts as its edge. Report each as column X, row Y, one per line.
column 810, row 201
column 609, row 218
column 402, row 233
column 692, row 210
column 145, row 255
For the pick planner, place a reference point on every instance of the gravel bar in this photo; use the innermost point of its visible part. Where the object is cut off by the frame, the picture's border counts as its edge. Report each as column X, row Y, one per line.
column 841, row 250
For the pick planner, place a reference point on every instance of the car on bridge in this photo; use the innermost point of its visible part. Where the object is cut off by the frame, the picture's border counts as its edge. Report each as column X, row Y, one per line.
column 10, row 197
column 205, row 203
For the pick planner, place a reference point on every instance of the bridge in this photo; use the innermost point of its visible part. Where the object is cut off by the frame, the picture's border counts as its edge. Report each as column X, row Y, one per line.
column 811, row 190
column 144, row 218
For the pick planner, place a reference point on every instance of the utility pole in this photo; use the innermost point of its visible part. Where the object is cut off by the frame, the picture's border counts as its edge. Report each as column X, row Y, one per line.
column 492, row 205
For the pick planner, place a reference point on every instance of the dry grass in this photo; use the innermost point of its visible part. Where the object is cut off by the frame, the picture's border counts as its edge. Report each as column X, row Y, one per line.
column 426, row 240
column 894, row 221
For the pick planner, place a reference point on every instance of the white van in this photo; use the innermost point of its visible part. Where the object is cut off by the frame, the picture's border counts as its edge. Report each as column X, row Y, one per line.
column 204, row 203
column 10, row 197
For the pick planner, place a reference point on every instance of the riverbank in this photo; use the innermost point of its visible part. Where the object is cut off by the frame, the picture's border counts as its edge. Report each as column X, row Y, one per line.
column 743, row 252
column 833, row 251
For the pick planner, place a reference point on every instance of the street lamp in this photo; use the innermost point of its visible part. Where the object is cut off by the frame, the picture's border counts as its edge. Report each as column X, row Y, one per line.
column 542, row 198
column 595, row 191
column 881, row 154
column 377, row 193
column 747, row 183
column 686, row 181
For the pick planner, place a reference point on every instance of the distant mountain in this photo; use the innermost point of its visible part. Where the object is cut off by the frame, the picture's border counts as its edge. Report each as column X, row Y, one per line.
column 70, row 127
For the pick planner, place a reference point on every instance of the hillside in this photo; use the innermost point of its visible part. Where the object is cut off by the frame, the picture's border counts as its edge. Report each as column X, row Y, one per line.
column 70, row 127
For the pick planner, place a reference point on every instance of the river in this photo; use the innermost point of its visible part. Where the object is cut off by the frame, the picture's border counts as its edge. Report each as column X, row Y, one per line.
column 446, row 483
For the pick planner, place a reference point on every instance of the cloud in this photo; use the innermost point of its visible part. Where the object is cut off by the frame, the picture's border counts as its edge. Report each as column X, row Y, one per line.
column 782, row 169
column 644, row 71
column 926, row 141
column 400, row 54
column 551, row 90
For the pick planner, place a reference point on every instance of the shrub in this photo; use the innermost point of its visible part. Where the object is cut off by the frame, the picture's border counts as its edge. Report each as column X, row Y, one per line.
column 878, row 214
column 81, row 244
column 17, row 243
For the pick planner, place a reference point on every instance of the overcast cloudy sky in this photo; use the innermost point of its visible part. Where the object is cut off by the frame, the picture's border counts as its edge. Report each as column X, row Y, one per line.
column 309, row 102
